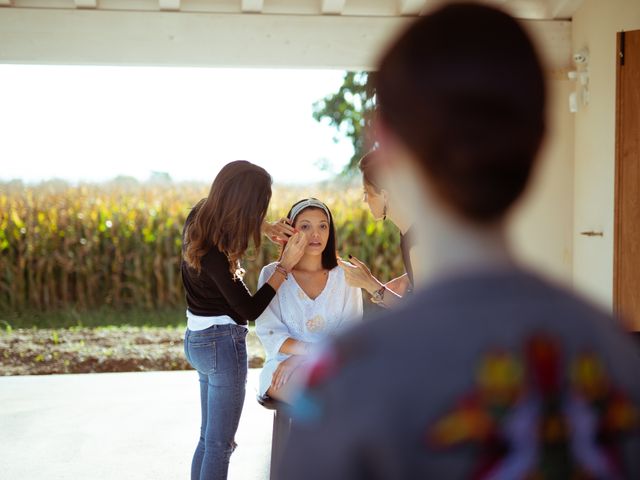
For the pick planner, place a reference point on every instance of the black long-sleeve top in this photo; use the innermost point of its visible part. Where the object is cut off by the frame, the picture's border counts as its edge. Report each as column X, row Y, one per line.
column 214, row 292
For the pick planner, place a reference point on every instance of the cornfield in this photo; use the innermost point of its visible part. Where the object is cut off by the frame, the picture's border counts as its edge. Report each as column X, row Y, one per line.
column 113, row 245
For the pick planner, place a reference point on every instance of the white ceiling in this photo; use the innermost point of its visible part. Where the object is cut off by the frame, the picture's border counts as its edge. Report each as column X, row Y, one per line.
column 341, row 34
column 525, row 9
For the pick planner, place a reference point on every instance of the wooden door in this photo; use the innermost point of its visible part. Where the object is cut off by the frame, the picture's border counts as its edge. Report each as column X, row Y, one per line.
column 627, row 189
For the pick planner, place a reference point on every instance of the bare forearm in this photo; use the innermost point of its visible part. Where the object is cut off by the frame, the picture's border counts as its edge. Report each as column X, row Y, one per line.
column 389, row 297
column 294, row 347
column 399, row 285
column 280, row 275
column 276, row 280
column 374, row 285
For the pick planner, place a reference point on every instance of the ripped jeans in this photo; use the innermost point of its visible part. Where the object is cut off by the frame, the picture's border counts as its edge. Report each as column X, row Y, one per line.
column 219, row 354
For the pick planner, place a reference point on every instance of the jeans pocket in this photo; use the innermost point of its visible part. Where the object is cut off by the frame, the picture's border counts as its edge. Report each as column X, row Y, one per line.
column 202, row 355
column 240, row 331
column 226, row 355
column 231, row 362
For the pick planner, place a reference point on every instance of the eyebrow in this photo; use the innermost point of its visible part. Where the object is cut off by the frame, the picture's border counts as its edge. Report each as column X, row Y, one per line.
column 309, row 221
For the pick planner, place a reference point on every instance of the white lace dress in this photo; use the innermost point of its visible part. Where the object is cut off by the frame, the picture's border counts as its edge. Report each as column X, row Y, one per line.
column 292, row 314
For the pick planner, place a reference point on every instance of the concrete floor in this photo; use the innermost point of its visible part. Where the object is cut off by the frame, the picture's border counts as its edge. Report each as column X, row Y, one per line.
column 117, row 426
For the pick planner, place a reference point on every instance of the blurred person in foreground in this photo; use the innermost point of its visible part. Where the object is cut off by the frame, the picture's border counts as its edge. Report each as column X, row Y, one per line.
column 492, row 372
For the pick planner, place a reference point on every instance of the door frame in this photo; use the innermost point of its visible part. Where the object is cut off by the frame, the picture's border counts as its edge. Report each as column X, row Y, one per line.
column 618, row 194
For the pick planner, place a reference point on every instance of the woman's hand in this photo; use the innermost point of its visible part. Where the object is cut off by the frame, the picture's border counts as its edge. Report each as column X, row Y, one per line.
column 358, row 275
column 278, row 232
column 293, row 251
column 284, row 371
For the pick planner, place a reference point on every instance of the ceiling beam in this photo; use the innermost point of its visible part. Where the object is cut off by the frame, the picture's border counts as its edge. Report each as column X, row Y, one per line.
column 563, row 9
column 50, row 36
column 169, row 5
column 252, row 6
column 333, row 7
column 86, row 3
column 410, row 7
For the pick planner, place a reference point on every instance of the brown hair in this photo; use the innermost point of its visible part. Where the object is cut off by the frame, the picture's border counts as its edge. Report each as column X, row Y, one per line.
column 368, row 168
column 464, row 90
column 230, row 216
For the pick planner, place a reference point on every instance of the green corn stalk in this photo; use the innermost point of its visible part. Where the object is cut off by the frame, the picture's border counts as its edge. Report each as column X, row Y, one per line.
column 92, row 246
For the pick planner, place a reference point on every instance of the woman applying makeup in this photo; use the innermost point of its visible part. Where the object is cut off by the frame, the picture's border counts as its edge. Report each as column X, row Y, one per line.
column 216, row 235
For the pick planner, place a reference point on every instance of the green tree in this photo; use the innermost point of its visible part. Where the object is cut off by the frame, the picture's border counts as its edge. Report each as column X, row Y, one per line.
column 350, row 111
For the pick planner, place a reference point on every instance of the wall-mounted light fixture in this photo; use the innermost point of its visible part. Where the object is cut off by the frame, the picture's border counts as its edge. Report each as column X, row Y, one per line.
column 579, row 98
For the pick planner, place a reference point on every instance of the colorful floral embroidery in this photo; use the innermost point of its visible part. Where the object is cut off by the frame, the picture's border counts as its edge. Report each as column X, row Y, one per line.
column 527, row 423
column 324, row 367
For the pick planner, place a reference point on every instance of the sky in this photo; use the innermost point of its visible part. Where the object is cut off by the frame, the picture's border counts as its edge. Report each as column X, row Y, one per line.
column 89, row 123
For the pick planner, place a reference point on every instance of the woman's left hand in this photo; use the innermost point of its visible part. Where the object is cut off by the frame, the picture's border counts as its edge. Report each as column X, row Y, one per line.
column 358, row 275
column 278, row 232
column 284, row 371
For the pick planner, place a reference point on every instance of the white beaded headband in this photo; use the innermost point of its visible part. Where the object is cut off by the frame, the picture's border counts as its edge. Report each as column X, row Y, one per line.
column 309, row 202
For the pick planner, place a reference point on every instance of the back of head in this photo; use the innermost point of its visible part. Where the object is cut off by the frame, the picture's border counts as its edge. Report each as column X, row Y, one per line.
column 231, row 215
column 464, row 90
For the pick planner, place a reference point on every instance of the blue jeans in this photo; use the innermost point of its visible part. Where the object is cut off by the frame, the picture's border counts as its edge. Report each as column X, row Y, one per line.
column 219, row 354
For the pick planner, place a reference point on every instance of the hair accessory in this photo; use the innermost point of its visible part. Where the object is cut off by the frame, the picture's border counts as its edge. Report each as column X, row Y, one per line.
column 304, row 204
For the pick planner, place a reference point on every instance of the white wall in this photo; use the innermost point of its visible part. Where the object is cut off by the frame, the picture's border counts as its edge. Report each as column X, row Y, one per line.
column 594, row 26
column 542, row 227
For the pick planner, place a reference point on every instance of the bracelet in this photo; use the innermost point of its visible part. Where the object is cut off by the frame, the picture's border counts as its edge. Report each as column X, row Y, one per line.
column 378, row 295
column 282, row 270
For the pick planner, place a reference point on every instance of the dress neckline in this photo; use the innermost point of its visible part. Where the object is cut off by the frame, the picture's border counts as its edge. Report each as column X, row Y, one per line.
column 324, row 289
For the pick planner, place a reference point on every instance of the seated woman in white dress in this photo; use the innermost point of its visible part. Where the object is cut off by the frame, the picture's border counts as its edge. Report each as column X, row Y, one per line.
column 313, row 303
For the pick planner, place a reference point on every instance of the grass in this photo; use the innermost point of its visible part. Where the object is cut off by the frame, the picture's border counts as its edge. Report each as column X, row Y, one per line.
column 102, row 317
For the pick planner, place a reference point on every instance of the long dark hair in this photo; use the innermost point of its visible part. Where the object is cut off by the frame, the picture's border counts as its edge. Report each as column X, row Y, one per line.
column 230, row 216
column 329, row 254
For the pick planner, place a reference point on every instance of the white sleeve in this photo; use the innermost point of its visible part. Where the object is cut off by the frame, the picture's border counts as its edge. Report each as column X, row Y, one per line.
column 270, row 329
column 353, row 304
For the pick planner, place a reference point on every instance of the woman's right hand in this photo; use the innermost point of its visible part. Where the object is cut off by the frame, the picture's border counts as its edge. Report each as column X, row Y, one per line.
column 285, row 369
column 278, row 232
column 358, row 275
column 294, row 250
